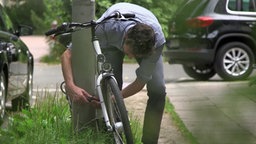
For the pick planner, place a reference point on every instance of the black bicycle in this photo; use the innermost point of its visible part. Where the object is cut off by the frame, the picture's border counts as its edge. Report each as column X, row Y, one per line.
column 112, row 105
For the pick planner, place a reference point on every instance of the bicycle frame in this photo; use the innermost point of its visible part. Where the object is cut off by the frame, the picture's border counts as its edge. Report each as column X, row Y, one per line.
column 102, row 73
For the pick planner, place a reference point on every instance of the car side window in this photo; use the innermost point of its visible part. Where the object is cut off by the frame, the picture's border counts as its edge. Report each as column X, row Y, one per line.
column 248, row 5
column 252, row 5
column 242, row 5
column 245, row 5
column 232, row 5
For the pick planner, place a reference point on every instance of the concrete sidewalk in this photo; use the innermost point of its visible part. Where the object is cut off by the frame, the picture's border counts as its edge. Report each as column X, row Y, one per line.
column 216, row 112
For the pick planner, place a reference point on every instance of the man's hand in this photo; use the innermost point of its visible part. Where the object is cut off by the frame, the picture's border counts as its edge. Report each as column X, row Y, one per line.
column 94, row 101
column 77, row 94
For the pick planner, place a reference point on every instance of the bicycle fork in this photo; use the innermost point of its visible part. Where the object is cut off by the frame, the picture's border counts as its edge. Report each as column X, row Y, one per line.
column 102, row 103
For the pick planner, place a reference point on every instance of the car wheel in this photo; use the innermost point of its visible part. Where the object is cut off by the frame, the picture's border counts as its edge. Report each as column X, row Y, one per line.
column 2, row 96
column 200, row 72
column 234, row 61
column 23, row 101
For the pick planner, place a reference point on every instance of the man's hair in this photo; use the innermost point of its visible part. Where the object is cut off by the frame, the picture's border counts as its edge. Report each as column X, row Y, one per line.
column 141, row 39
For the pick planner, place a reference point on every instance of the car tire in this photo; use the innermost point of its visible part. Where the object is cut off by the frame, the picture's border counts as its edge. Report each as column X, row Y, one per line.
column 200, row 72
column 234, row 61
column 3, row 93
column 23, row 101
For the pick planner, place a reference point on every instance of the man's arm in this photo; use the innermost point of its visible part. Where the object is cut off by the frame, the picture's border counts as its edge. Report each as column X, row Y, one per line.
column 66, row 67
column 144, row 72
column 133, row 88
column 76, row 93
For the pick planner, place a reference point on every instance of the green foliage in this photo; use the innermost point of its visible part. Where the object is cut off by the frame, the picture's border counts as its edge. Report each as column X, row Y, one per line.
column 39, row 25
column 163, row 10
column 21, row 12
column 40, row 14
column 59, row 10
column 56, row 50
column 101, row 7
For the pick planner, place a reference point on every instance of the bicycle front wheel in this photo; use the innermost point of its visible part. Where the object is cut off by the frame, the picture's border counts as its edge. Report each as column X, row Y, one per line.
column 117, row 112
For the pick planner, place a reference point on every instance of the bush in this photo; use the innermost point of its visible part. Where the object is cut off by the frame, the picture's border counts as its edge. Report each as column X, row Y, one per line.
column 40, row 14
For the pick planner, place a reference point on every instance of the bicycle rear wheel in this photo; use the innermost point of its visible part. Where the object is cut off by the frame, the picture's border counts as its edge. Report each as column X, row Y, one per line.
column 117, row 112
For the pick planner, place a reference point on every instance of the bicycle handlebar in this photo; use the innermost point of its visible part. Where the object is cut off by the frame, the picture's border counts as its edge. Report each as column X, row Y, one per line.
column 62, row 27
column 70, row 27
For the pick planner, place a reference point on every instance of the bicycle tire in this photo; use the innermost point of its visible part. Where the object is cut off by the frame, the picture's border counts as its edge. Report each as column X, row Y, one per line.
column 117, row 112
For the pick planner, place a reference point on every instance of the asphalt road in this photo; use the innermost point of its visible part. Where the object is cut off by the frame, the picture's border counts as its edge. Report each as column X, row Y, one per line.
column 50, row 76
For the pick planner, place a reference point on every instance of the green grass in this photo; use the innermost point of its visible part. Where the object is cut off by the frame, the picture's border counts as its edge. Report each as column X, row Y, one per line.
column 49, row 122
column 181, row 126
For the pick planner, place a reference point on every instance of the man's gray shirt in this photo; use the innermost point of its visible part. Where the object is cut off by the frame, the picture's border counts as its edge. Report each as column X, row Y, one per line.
column 142, row 15
column 111, row 34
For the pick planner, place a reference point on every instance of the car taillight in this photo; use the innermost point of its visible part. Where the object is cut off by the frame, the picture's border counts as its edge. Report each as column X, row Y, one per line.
column 202, row 21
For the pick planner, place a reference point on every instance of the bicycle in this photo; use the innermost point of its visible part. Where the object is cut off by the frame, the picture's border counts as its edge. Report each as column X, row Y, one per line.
column 112, row 105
